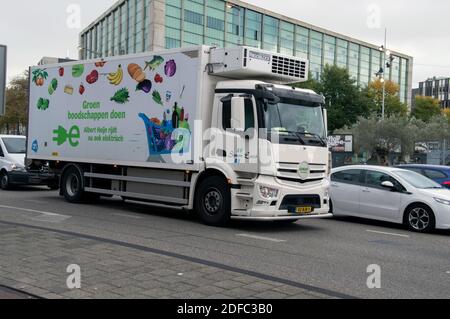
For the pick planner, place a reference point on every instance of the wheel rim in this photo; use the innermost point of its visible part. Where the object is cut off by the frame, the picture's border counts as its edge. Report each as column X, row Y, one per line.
column 72, row 185
column 213, row 201
column 419, row 218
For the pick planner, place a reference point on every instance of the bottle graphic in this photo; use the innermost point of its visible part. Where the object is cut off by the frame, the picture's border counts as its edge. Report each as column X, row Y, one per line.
column 175, row 117
column 182, row 115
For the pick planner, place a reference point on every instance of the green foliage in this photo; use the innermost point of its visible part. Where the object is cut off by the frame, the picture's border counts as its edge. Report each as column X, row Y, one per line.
column 16, row 115
column 122, row 96
column 396, row 133
column 426, row 108
column 393, row 105
column 344, row 99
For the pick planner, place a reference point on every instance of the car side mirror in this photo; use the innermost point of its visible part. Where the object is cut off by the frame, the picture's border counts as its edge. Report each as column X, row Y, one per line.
column 388, row 184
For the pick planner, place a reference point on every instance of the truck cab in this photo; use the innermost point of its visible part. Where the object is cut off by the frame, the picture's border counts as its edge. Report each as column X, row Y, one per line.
column 274, row 150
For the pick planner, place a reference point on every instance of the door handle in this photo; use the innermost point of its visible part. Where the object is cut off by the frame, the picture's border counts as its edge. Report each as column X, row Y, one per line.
column 335, row 185
column 366, row 191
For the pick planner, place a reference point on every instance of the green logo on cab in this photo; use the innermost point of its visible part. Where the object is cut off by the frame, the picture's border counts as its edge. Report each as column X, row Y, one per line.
column 304, row 170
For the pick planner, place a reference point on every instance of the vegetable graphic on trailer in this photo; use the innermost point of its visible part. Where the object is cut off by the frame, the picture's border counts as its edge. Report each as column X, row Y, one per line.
column 2, row 79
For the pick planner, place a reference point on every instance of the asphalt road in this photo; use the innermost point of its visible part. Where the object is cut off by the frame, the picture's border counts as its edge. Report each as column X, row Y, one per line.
column 327, row 254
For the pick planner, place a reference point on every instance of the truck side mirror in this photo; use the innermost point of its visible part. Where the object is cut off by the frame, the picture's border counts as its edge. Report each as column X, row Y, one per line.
column 238, row 114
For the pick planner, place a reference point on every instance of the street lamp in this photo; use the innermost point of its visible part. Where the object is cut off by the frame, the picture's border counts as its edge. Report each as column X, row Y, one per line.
column 388, row 58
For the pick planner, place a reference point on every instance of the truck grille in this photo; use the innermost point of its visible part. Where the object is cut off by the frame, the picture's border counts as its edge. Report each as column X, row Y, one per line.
column 289, row 67
column 289, row 172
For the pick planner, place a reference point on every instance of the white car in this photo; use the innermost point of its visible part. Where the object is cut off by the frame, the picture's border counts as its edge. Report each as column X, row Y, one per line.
column 390, row 194
column 12, row 165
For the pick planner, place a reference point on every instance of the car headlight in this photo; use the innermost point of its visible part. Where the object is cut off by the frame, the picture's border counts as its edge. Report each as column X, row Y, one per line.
column 442, row 201
column 16, row 168
column 268, row 192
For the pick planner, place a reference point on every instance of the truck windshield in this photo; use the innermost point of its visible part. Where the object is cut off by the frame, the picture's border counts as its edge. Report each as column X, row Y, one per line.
column 295, row 123
column 15, row 145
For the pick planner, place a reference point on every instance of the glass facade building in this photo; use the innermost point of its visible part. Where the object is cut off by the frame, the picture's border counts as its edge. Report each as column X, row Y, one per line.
column 133, row 26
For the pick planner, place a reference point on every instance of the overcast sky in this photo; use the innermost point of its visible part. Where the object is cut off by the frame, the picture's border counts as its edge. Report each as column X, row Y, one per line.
column 33, row 29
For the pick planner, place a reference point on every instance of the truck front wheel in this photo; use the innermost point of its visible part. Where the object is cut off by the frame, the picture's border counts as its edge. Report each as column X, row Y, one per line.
column 213, row 201
column 72, row 185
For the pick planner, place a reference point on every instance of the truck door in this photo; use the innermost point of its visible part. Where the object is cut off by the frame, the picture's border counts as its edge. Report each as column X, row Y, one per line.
column 237, row 123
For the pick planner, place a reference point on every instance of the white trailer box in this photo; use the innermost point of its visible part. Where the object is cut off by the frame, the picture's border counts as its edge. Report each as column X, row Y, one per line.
column 133, row 111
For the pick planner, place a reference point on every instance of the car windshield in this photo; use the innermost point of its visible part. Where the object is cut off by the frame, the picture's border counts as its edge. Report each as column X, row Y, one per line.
column 15, row 145
column 417, row 180
column 296, row 122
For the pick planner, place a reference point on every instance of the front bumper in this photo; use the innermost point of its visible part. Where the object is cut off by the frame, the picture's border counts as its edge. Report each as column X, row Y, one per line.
column 31, row 178
column 255, row 207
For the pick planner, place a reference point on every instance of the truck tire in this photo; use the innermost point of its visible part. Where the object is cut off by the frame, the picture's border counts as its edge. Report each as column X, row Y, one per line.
column 4, row 180
column 213, row 201
column 72, row 186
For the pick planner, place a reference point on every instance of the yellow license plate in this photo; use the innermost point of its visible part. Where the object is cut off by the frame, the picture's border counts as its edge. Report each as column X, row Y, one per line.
column 304, row 210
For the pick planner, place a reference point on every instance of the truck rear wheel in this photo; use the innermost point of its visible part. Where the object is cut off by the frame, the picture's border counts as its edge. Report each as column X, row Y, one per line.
column 213, row 201
column 72, row 185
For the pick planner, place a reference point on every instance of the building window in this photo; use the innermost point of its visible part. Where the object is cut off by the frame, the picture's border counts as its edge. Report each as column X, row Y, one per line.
column 235, row 24
column 287, row 38
column 301, row 41
column 329, row 50
column 253, row 28
column 270, row 33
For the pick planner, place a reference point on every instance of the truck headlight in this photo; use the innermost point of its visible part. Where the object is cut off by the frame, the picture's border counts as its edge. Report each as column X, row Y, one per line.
column 442, row 201
column 268, row 192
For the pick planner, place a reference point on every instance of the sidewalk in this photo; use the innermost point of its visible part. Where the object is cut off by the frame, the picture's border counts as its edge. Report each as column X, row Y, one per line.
column 35, row 261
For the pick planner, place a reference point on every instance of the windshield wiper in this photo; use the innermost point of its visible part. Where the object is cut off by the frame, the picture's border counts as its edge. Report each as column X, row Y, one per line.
column 316, row 136
column 296, row 134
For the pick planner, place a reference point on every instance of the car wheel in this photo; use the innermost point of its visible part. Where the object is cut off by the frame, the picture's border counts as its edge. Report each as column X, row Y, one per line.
column 4, row 181
column 72, row 186
column 420, row 218
column 213, row 202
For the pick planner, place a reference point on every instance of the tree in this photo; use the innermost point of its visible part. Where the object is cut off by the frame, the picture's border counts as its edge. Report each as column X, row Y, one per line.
column 446, row 114
column 426, row 107
column 16, row 117
column 343, row 97
column 393, row 105
column 311, row 84
column 396, row 134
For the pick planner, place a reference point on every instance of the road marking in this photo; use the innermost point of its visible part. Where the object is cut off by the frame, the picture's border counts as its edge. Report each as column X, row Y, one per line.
column 31, row 210
column 43, row 216
column 447, row 272
column 127, row 216
column 274, row 240
column 385, row 233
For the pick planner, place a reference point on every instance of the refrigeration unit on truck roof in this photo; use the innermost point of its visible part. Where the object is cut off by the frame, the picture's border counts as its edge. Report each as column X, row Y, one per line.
column 245, row 62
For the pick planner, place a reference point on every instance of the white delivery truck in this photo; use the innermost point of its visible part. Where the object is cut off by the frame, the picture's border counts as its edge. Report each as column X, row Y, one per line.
column 201, row 129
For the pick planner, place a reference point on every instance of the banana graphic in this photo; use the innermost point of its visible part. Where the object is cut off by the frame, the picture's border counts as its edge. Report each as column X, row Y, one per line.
column 116, row 77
